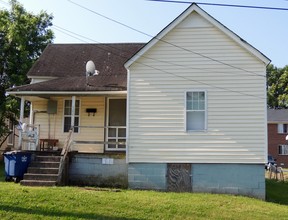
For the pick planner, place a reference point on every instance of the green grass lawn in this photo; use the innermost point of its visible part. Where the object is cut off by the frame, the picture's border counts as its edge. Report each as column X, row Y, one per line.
column 19, row 202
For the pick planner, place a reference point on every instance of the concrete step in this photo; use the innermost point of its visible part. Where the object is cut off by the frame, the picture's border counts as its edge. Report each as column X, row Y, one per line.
column 46, row 177
column 40, row 170
column 45, row 164
column 48, row 158
column 37, row 183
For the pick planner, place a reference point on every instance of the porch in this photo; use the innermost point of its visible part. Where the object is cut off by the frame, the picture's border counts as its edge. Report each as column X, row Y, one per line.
column 97, row 147
column 98, row 122
column 68, row 167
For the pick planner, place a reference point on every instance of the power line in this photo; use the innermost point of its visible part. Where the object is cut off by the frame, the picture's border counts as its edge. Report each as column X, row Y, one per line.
column 79, row 35
column 169, row 43
column 152, row 67
column 71, row 34
column 222, row 5
column 55, row 27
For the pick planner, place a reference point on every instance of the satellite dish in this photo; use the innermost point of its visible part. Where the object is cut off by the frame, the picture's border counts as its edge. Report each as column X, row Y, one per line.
column 90, row 68
column 286, row 138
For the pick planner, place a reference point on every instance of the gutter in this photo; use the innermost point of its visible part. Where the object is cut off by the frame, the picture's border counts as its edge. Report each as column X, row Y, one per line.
column 26, row 93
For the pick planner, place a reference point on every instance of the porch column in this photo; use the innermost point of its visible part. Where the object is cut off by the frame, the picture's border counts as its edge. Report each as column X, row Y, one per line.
column 73, row 111
column 21, row 121
column 31, row 122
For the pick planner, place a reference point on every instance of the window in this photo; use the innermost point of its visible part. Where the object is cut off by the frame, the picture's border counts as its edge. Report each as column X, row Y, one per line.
column 196, row 110
column 282, row 128
column 67, row 115
column 283, row 149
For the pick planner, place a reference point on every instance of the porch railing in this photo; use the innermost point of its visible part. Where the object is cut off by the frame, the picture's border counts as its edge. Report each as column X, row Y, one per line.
column 64, row 161
column 114, row 137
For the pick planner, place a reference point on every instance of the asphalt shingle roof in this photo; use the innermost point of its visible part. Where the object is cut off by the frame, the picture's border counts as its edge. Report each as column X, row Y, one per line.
column 67, row 62
column 277, row 115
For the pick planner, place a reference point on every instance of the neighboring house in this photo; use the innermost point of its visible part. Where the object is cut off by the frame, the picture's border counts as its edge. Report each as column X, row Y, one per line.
column 11, row 140
column 190, row 114
column 277, row 132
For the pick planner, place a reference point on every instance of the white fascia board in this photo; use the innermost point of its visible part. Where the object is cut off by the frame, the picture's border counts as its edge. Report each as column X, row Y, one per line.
column 212, row 20
column 24, row 93
column 159, row 36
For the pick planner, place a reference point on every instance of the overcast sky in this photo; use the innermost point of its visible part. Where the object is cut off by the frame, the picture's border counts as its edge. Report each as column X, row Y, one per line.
column 267, row 30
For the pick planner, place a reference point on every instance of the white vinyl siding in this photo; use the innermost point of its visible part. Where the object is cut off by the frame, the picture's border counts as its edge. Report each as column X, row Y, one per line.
column 236, row 128
column 85, row 133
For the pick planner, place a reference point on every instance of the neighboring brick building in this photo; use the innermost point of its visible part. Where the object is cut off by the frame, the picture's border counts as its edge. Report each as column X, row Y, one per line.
column 277, row 120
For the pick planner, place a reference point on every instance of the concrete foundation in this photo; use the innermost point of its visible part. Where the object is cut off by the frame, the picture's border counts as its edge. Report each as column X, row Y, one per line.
column 237, row 179
column 111, row 171
column 98, row 170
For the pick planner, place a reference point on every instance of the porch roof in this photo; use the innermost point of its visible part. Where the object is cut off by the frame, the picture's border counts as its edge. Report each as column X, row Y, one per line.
column 77, row 83
column 64, row 65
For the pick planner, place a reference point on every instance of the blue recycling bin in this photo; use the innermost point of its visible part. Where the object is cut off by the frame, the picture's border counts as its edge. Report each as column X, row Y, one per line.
column 16, row 164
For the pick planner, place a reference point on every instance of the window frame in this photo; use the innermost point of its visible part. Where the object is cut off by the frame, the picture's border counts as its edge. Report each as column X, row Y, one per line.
column 76, row 116
column 117, row 148
column 282, row 130
column 205, row 110
column 282, row 146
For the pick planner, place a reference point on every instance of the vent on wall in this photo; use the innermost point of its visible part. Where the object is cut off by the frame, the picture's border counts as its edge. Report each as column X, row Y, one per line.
column 52, row 107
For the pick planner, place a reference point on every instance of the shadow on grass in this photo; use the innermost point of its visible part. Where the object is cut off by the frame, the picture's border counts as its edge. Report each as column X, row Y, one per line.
column 277, row 192
column 59, row 214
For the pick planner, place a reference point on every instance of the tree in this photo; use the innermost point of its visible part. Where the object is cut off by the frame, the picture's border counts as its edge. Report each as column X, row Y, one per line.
column 23, row 37
column 277, row 87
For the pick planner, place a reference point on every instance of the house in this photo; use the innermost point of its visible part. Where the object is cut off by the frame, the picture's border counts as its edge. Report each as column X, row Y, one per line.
column 277, row 132
column 187, row 114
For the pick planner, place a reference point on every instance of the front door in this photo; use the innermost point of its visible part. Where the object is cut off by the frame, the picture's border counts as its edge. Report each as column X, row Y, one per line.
column 116, row 124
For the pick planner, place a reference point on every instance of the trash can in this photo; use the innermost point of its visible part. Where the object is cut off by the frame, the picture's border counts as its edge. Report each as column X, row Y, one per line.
column 16, row 164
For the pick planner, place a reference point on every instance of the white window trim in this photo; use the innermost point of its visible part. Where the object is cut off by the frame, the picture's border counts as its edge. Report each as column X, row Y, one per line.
column 63, row 119
column 185, row 110
column 280, row 128
column 282, row 146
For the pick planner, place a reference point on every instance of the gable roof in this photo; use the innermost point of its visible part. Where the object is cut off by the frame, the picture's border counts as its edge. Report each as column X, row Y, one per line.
column 195, row 8
column 277, row 115
column 65, row 64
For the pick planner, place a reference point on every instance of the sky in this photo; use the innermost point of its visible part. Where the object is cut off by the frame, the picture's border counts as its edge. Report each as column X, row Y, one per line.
column 266, row 30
